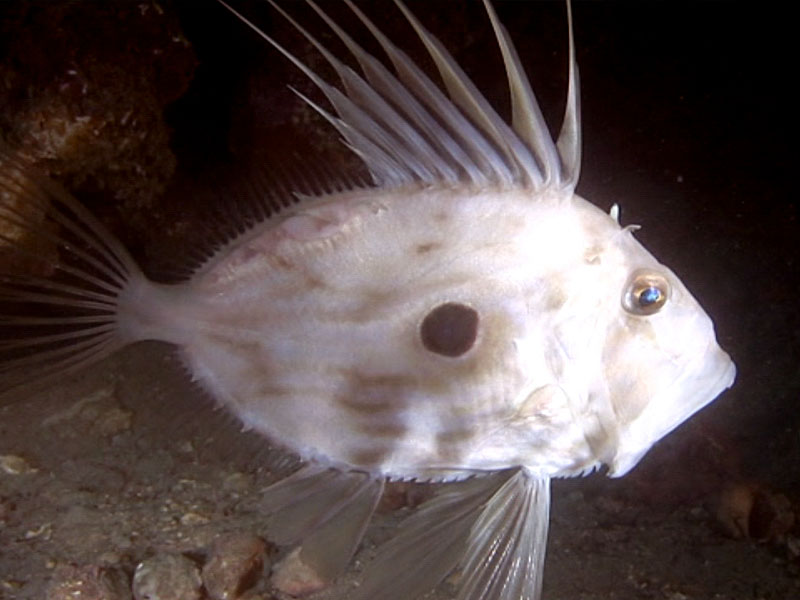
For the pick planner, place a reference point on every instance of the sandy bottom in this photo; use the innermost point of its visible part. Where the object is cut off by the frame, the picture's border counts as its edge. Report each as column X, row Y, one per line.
column 123, row 463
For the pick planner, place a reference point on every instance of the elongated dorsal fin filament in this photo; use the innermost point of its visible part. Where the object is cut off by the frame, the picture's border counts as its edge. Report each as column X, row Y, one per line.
column 407, row 130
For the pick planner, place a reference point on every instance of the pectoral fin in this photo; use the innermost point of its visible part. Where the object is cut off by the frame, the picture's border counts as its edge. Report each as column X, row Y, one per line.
column 506, row 547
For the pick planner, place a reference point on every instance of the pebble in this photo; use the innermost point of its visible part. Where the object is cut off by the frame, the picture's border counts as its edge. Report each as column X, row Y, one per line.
column 167, row 577
column 234, row 564
column 752, row 511
column 12, row 464
column 295, row 577
column 87, row 582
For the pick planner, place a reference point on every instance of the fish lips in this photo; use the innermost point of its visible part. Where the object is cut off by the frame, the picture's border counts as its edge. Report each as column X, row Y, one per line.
column 690, row 392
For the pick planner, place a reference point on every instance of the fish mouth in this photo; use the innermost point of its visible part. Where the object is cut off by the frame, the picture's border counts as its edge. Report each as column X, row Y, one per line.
column 729, row 376
column 666, row 411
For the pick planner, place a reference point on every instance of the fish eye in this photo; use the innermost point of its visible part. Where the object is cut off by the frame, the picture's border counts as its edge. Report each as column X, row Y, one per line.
column 450, row 329
column 645, row 293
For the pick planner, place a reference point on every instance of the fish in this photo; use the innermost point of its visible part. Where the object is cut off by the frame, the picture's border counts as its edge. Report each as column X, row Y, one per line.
column 465, row 319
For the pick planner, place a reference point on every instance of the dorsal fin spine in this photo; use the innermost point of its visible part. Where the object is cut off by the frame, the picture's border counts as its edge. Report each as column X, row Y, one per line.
column 406, row 130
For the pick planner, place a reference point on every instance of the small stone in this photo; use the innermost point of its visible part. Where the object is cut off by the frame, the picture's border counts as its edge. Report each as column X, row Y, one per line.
column 792, row 549
column 87, row 582
column 166, row 577
column 747, row 510
column 404, row 494
column 12, row 464
column 238, row 482
column 733, row 509
column 5, row 509
column 294, row 577
column 698, row 513
column 43, row 531
column 193, row 518
column 772, row 516
column 234, row 564
column 114, row 421
column 187, row 447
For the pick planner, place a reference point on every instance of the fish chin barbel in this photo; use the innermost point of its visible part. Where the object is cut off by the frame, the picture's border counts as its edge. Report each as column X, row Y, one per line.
column 468, row 318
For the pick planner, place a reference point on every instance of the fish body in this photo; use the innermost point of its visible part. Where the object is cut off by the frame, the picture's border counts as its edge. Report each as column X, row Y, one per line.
column 353, row 269
column 468, row 318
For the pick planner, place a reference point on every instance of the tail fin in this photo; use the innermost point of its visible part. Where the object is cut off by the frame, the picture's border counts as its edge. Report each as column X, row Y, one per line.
column 61, row 272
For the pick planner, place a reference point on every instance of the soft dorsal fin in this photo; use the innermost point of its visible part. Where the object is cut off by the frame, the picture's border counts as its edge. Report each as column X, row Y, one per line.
column 407, row 130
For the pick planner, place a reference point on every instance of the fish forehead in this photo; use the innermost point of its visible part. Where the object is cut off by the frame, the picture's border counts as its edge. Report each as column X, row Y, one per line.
column 324, row 327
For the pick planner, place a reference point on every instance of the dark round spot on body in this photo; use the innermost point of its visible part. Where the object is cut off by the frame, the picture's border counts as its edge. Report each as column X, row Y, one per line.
column 450, row 329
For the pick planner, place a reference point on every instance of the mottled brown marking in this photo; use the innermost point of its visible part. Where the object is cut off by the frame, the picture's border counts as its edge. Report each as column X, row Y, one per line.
column 254, row 356
column 593, row 255
column 312, row 282
column 273, row 391
column 245, row 255
column 369, row 457
column 450, row 443
column 395, row 430
column 428, row 247
column 374, row 394
column 555, row 300
column 378, row 381
column 453, row 436
column 304, row 280
column 374, row 301
column 361, row 406
column 282, row 262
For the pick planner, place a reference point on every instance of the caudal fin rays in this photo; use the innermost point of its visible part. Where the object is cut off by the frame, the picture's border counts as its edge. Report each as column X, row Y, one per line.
column 59, row 280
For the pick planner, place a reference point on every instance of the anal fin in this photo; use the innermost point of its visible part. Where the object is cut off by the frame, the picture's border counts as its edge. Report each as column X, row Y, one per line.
column 324, row 513
column 492, row 528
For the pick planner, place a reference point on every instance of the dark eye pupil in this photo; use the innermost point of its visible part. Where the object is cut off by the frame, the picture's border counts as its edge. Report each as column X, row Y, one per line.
column 450, row 329
column 649, row 296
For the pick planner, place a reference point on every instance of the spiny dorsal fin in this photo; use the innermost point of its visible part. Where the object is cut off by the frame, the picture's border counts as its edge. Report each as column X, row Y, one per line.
column 406, row 130
column 527, row 119
column 569, row 138
column 464, row 94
